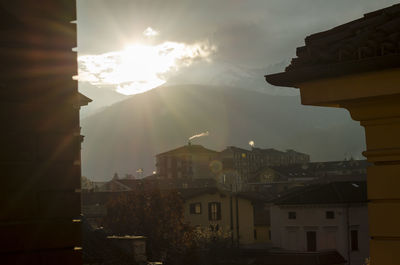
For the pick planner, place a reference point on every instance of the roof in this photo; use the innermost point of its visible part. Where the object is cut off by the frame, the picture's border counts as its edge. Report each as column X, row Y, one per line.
column 331, row 193
column 173, row 183
column 370, row 43
column 235, row 149
column 192, row 148
column 256, row 197
column 83, row 100
column 268, row 151
column 188, row 194
column 315, row 168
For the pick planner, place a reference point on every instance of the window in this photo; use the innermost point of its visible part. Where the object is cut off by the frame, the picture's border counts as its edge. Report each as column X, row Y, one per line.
column 255, row 234
column 292, row 215
column 214, row 211
column 195, row 208
column 354, row 240
column 311, row 241
column 330, row 215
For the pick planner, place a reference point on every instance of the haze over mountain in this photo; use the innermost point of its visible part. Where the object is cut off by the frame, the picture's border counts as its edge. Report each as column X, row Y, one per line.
column 102, row 97
column 127, row 135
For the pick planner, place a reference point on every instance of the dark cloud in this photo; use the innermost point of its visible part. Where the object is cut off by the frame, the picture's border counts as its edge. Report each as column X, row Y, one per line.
column 236, row 45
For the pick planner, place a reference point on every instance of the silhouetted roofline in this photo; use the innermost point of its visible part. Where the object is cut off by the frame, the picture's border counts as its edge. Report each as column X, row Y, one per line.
column 363, row 45
column 332, row 193
column 195, row 148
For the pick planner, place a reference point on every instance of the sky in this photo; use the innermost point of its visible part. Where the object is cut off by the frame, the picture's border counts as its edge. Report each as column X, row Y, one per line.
column 131, row 46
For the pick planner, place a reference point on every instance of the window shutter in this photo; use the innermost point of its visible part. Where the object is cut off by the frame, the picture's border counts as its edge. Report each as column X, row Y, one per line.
column 218, row 211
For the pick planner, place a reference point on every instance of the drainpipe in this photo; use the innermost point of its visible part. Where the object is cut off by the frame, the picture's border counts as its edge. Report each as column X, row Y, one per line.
column 231, row 212
column 237, row 221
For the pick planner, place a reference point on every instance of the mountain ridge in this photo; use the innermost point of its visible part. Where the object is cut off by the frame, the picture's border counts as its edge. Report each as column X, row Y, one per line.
column 126, row 135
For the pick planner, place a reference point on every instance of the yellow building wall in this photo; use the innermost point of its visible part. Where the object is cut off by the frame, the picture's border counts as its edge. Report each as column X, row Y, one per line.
column 372, row 98
column 246, row 217
column 262, row 234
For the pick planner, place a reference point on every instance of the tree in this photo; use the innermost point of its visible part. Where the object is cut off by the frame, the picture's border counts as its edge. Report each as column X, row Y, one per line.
column 157, row 215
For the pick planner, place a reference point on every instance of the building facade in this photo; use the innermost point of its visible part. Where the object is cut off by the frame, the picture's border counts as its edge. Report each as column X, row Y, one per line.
column 186, row 162
column 323, row 217
column 229, row 215
column 40, row 155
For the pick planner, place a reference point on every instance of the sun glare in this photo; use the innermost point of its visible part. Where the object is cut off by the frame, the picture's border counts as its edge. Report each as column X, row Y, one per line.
column 139, row 68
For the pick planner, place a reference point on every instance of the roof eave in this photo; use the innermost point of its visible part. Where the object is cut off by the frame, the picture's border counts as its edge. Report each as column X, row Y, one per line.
column 293, row 78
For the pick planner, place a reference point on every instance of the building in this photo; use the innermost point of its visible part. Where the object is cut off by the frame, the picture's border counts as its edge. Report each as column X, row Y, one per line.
column 40, row 155
column 276, row 179
column 272, row 157
column 246, row 163
column 356, row 66
column 230, row 214
column 186, row 162
column 232, row 167
column 323, row 217
column 322, row 170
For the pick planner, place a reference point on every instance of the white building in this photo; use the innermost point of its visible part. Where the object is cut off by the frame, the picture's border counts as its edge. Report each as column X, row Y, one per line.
column 322, row 217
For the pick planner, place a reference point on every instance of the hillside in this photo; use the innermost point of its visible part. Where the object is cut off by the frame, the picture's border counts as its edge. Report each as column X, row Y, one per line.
column 126, row 135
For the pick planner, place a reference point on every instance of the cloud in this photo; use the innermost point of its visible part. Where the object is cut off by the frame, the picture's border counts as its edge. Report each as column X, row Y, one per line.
column 149, row 32
column 139, row 67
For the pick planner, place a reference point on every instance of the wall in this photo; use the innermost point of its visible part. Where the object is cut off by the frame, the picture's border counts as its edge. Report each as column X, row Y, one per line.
column 246, row 218
column 331, row 233
column 262, row 233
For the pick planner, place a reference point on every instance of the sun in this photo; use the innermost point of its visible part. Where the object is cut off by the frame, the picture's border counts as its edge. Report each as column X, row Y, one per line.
column 139, row 67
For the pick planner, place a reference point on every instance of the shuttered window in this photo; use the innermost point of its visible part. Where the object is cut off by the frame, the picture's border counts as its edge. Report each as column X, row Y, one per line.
column 195, row 208
column 214, row 211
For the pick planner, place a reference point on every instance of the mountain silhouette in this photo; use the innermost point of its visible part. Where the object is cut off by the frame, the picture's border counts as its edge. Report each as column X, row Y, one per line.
column 127, row 135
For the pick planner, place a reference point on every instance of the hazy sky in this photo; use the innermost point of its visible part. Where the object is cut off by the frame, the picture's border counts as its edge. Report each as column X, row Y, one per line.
column 230, row 42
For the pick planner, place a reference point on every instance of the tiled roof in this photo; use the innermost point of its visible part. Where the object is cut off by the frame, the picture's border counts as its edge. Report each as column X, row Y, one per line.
column 331, row 193
column 367, row 44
